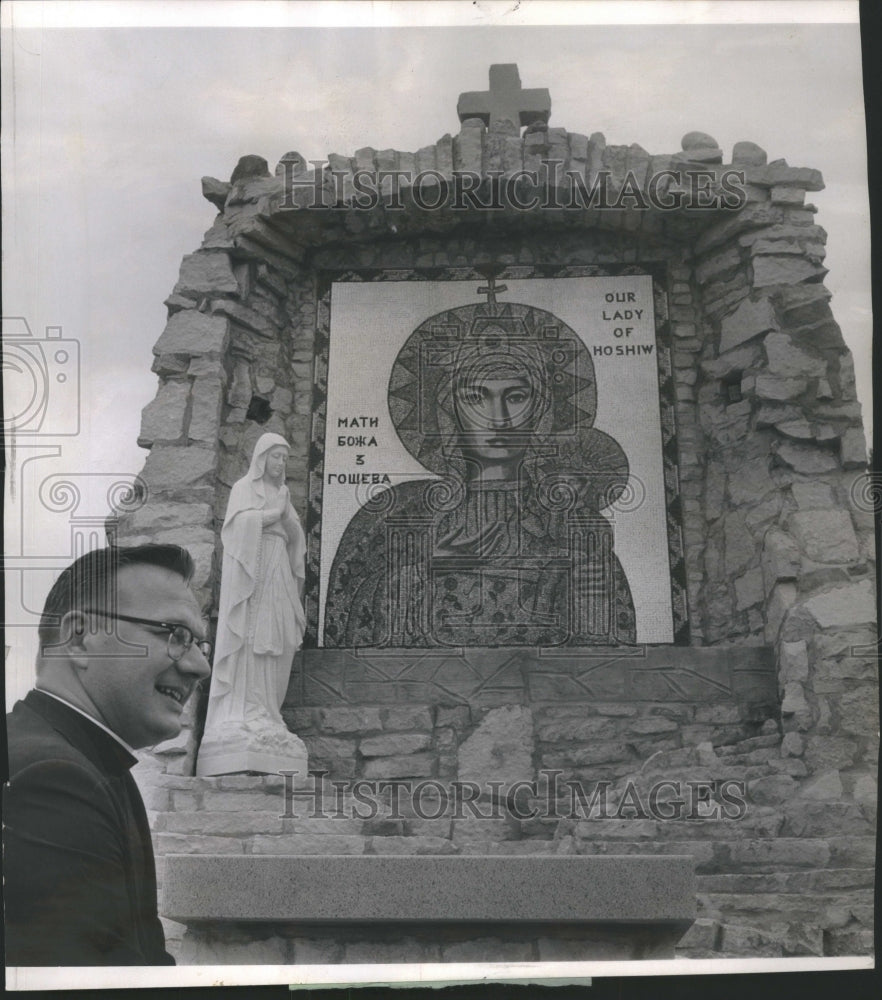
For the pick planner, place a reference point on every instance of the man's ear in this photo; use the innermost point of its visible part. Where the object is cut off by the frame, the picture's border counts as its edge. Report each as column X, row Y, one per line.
column 73, row 631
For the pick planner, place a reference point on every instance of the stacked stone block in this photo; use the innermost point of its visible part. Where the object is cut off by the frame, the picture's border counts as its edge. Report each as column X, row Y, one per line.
column 789, row 558
column 792, row 876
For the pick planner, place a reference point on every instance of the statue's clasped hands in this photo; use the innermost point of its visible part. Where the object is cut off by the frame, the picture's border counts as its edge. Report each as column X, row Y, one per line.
column 278, row 508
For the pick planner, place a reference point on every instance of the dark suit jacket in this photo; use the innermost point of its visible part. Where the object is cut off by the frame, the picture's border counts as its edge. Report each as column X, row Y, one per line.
column 80, row 879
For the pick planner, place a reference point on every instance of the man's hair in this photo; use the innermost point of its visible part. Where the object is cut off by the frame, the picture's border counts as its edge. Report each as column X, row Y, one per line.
column 90, row 581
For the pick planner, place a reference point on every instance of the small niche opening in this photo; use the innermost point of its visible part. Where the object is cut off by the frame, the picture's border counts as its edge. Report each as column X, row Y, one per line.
column 259, row 410
column 732, row 388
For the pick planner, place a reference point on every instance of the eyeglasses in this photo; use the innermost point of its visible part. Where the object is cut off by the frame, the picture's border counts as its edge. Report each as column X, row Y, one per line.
column 180, row 637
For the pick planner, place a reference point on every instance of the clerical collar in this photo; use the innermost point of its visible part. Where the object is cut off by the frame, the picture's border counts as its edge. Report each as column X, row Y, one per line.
column 91, row 719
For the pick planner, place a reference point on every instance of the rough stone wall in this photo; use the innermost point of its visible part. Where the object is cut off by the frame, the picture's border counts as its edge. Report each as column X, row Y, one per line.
column 668, row 698
column 585, row 741
column 779, row 543
column 789, row 553
column 793, row 876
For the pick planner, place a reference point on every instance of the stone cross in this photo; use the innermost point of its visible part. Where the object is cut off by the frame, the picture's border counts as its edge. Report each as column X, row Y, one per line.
column 505, row 100
column 491, row 289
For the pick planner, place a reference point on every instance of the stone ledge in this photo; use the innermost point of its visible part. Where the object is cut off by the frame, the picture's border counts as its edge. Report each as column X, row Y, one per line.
column 652, row 892
column 485, row 677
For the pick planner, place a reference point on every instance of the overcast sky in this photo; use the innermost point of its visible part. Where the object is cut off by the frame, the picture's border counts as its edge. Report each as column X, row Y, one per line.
column 107, row 133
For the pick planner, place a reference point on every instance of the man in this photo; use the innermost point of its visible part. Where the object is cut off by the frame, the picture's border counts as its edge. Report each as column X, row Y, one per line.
column 121, row 649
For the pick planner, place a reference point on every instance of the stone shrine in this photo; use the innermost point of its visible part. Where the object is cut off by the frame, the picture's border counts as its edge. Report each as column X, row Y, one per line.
column 590, row 413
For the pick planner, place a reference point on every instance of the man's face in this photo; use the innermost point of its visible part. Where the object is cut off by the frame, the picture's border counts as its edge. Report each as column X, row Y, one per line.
column 138, row 690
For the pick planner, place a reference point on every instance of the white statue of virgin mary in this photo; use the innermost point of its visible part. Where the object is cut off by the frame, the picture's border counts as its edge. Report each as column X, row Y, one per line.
column 260, row 624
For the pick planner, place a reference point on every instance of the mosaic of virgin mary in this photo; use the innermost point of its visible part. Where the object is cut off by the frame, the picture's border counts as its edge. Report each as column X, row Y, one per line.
column 507, row 545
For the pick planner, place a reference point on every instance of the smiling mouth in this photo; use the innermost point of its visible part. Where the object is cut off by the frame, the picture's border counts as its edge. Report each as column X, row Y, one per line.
column 174, row 693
